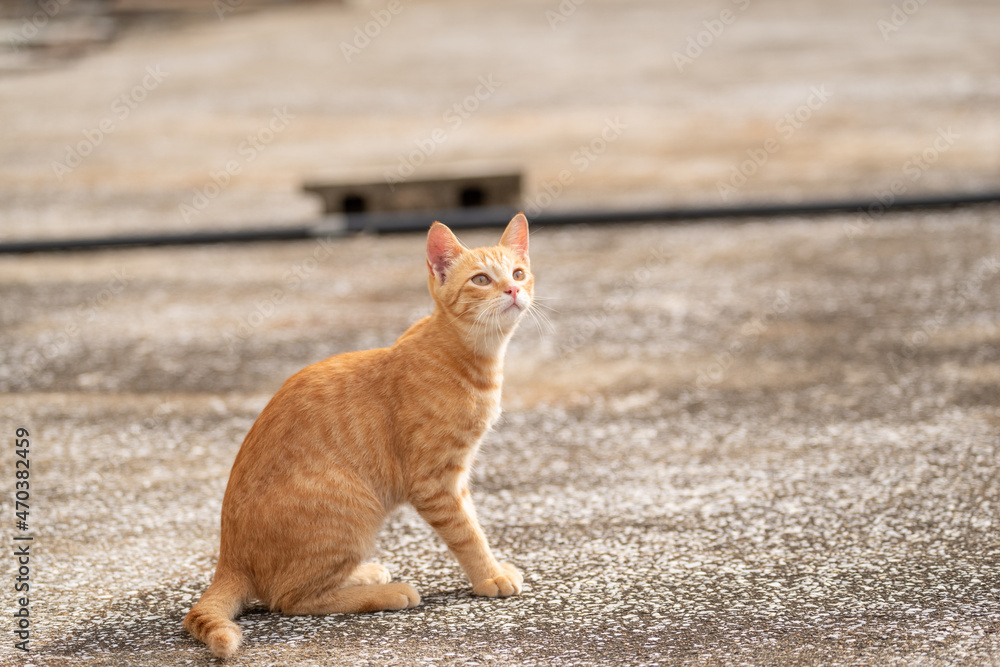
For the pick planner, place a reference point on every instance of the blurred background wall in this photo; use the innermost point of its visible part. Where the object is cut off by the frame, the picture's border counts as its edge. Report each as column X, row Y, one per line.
column 173, row 114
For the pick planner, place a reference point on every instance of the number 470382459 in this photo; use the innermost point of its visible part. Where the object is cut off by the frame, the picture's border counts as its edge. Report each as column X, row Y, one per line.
column 22, row 474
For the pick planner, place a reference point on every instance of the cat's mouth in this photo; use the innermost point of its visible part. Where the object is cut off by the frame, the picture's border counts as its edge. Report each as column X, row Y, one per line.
column 514, row 307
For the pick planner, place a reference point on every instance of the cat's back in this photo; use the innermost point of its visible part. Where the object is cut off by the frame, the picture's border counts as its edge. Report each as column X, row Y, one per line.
column 367, row 408
column 327, row 386
column 320, row 416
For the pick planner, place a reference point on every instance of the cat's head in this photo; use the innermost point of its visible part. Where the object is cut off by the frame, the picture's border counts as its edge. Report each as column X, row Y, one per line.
column 485, row 290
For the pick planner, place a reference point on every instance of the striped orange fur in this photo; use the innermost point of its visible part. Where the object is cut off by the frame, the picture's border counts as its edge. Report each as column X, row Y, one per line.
column 347, row 440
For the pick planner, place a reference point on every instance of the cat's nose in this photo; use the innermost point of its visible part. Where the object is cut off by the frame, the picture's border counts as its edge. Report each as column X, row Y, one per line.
column 512, row 290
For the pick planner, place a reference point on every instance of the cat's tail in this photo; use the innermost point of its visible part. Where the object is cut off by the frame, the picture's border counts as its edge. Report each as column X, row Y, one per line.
column 211, row 618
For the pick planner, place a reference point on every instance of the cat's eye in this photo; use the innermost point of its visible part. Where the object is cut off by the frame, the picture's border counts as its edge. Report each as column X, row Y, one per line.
column 518, row 274
column 481, row 279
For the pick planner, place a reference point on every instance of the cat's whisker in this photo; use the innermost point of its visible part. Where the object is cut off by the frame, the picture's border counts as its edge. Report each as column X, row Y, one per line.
column 483, row 315
column 541, row 320
column 542, row 323
column 491, row 319
column 539, row 302
column 464, row 312
column 538, row 313
column 456, row 318
column 490, row 328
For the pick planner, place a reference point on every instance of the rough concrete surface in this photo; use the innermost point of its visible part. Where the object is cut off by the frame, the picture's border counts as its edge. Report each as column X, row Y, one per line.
column 767, row 443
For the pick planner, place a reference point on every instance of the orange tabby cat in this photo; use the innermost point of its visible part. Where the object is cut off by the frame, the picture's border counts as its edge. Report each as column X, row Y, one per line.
column 346, row 440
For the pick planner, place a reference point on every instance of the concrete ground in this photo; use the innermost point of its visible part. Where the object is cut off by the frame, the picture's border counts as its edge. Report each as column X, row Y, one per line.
column 772, row 443
column 767, row 443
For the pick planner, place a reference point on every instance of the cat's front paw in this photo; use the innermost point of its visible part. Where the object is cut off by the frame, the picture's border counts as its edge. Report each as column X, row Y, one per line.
column 504, row 583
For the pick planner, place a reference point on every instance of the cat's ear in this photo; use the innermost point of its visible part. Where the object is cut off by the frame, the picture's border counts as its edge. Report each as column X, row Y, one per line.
column 443, row 248
column 515, row 236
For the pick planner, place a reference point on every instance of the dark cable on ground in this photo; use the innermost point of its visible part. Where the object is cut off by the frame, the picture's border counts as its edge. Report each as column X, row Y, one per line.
column 472, row 218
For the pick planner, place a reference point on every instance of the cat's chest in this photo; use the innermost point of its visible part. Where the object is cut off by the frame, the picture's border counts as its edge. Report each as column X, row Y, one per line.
column 456, row 397
column 491, row 409
column 479, row 411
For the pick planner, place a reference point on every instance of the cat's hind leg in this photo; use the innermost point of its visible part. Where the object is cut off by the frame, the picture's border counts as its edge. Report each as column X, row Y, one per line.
column 367, row 574
column 354, row 600
column 365, row 589
column 324, row 573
